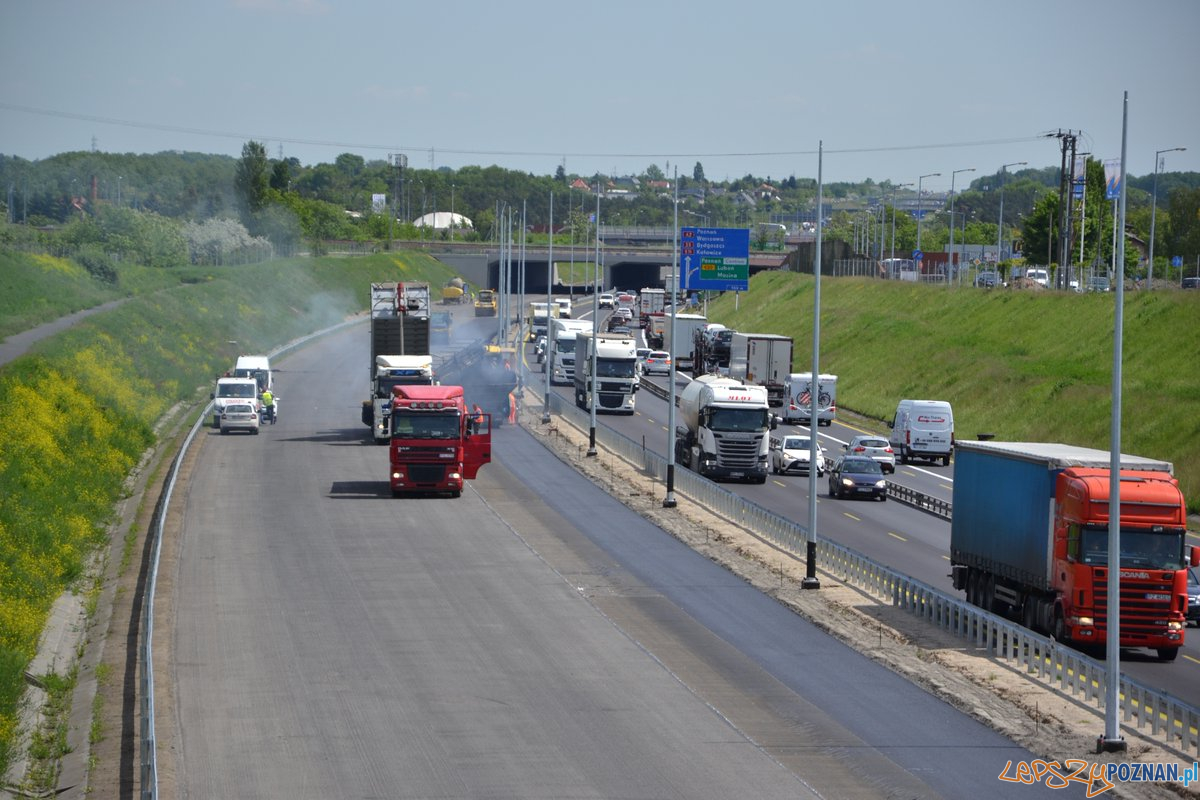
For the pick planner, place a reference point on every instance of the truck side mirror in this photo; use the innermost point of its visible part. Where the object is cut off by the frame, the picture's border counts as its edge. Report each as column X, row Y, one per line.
column 774, row 422
column 1194, row 555
column 890, row 425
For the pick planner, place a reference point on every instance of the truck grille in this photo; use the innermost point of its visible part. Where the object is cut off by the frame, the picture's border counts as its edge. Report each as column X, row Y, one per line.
column 740, row 453
column 1144, row 612
column 431, row 474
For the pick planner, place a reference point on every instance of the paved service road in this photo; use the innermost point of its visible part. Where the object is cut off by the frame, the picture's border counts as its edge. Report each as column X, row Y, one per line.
column 532, row 639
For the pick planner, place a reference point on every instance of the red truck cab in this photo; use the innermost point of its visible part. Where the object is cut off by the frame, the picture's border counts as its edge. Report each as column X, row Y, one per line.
column 1153, row 579
column 437, row 442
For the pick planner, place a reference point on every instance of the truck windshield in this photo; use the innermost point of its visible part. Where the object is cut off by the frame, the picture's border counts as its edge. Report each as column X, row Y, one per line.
column 745, row 420
column 236, row 390
column 386, row 384
column 616, row 369
column 421, row 425
column 1139, row 548
column 564, row 344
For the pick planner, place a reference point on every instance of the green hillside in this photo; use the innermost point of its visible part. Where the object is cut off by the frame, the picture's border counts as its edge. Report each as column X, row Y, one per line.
column 1023, row 365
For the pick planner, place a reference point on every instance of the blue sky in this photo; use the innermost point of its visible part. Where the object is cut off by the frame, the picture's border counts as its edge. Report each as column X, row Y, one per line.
column 895, row 90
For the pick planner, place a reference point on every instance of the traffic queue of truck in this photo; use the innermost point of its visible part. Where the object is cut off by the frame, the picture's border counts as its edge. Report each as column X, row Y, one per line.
column 1029, row 532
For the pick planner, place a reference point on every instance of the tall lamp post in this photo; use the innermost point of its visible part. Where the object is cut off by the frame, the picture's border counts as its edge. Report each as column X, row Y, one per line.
column 894, row 188
column 950, row 254
column 920, row 178
column 1000, row 221
column 1154, row 210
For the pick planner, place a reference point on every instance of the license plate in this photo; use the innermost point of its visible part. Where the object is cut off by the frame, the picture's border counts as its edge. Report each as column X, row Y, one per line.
column 864, row 489
column 737, row 474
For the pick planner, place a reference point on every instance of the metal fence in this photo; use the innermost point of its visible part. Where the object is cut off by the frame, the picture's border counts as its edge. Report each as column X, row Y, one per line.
column 1159, row 716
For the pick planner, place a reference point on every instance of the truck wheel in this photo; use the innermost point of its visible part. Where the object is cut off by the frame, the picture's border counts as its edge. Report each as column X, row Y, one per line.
column 946, row 460
column 1168, row 653
column 1059, row 630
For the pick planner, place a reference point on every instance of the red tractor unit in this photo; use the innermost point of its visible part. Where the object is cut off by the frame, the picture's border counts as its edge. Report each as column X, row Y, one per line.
column 437, row 442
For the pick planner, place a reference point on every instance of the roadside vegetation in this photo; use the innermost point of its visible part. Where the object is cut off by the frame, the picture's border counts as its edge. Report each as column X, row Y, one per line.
column 81, row 410
column 1024, row 365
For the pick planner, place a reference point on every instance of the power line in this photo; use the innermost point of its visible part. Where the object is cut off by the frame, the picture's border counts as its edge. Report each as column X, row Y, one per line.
column 477, row 152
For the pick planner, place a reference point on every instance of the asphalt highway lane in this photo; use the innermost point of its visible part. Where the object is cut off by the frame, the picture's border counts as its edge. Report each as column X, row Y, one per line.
column 534, row 638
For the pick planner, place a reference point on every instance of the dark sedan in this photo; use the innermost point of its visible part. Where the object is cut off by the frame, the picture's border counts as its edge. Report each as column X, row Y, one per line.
column 857, row 476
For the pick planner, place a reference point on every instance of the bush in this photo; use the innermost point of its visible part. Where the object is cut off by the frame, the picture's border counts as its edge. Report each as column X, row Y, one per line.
column 97, row 263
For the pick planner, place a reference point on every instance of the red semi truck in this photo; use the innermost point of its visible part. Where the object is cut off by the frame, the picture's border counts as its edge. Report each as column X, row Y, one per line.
column 437, row 442
column 1029, row 537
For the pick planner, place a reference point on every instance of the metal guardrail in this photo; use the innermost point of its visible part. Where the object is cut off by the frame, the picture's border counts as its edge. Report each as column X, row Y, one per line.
column 1165, row 719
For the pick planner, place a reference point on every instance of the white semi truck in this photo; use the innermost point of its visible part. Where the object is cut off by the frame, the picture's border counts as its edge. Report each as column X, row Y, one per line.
column 726, row 429
column 616, row 380
column 797, row 407
column 560, row 348
column 394, row 371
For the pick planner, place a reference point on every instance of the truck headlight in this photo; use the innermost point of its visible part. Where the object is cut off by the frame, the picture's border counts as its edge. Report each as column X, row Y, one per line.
column 1084, row 622
column 397, row 476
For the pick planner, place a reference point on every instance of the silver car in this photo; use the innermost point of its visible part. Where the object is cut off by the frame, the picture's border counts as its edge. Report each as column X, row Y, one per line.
column 239, row 417
column 874, row 447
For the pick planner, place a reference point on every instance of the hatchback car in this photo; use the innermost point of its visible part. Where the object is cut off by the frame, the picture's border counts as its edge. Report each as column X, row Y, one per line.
column 857, row 476
column 239, row 417
column 791, row 454
column 873, row 447
column 658, row 362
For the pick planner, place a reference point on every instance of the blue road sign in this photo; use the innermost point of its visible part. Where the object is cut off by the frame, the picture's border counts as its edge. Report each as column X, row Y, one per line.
column 715, row 258
column 918, row 255
column 1176, row 261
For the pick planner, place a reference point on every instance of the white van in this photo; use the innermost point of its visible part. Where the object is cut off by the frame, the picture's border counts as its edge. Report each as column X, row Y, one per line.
column 922, row 429
column 257, row 367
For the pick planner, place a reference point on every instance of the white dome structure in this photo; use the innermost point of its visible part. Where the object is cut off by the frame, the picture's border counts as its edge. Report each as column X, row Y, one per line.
column 443, row 220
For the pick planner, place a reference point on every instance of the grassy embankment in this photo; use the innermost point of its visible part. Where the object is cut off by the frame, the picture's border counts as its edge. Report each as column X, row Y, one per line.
column 1023, row 365
column 79, row 412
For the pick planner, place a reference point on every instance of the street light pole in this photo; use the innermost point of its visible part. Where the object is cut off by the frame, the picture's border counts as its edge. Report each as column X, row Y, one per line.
column 894, row 188
column 1154, row 211
column 919, row 180
column 950, row 247
column 1000, row 222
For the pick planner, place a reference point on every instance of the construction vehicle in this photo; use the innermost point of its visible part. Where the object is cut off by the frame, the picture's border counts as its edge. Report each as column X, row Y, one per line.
column 485, row 303
column 436, row 442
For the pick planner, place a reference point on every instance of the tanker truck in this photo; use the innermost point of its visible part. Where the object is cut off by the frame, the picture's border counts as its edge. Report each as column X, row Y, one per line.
column 725, row 430
column 1029, row 539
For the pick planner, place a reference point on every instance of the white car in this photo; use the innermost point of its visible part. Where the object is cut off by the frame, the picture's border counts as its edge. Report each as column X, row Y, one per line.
column 606, row 300
column 239, row 417
column 791, row 454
